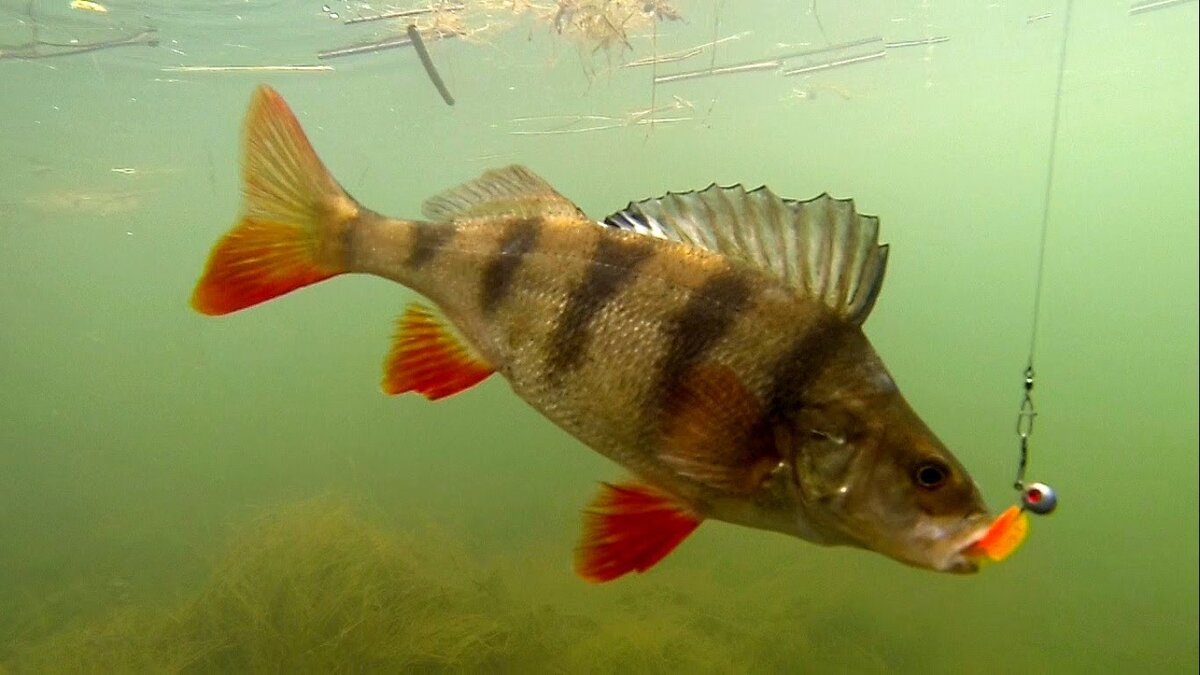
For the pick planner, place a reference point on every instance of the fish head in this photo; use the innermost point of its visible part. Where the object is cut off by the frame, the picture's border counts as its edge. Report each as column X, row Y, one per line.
column 868, row 472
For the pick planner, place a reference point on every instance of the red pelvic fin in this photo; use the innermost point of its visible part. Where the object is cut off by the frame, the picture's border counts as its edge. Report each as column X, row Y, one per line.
column 289, row 232
column 427, row 359
column 629, row 528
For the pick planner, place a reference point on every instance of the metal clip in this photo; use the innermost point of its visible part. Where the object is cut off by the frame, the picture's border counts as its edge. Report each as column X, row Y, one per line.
column 1025, row 417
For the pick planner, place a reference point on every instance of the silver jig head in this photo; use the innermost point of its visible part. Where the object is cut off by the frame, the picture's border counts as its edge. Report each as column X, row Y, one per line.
column 1039, row 498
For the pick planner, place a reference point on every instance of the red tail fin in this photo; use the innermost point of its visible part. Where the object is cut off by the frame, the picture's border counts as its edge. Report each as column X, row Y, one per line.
column 293, row 216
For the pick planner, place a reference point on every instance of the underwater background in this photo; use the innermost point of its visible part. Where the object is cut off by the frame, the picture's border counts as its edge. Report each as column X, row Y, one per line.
column 181, row 493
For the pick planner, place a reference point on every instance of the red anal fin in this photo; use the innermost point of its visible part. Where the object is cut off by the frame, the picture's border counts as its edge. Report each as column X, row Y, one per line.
column 714, row 431
column 427, row 359
column 629, row 528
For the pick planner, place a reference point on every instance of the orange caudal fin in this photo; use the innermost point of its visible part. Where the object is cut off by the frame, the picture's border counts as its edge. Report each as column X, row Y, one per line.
column 629, row 528
column 1003, row 536
column 292, row 219
column 428, row 359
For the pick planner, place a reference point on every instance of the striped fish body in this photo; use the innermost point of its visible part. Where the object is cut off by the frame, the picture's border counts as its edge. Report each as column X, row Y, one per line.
column 710, row 342
column 603, row 330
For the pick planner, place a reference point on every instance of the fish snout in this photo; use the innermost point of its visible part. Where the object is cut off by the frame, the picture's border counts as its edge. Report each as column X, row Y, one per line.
column 955, row 551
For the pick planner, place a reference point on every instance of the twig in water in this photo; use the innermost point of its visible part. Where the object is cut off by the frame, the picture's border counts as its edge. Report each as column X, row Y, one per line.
column 683, row 54
column 899, row 44
column 826, row 65
column 38, row 49
column 364, row 48
column 748, row 67
column 400, row 14
column 414, row 36
column 629, row 119
column 831, row 48
column 1153, row 5
column 248, row 69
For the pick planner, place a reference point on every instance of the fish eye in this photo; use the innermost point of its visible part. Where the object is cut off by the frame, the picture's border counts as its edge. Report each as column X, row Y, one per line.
column 931, row 475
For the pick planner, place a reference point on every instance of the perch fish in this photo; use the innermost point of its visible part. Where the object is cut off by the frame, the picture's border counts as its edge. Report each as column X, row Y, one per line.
column 710, row 342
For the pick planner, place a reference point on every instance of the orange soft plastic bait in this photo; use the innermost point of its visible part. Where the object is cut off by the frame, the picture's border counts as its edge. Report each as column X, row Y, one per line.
column 1003, row 537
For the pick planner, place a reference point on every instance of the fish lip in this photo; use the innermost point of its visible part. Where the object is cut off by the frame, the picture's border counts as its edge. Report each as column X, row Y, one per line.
column 959, row 558
column 960, row 564
column 950, row 551
column 962, row 557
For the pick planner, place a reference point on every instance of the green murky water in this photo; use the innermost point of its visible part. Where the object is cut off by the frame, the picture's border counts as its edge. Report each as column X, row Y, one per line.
column 183, row 493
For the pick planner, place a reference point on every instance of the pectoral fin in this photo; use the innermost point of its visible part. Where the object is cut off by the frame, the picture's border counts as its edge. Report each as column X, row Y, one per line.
column 715, row 433
column 629, row 528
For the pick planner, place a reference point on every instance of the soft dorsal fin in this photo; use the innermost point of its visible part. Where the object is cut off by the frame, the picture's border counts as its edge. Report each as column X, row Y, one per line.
column 511, row 191
column 822, row 247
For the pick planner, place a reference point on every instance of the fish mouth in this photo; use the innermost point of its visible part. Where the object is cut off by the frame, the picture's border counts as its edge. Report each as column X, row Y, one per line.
column 960, row 562
column 961, row 556
column 942, row 546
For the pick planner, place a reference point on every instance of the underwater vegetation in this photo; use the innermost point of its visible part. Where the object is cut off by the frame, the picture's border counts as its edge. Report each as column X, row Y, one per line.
column 319, row 587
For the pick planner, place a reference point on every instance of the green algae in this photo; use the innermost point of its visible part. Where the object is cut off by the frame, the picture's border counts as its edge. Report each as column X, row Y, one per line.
column 320, row 587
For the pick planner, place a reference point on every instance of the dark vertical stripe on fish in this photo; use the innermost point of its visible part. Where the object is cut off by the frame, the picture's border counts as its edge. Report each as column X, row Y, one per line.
column 519, row 239
column 793, row 372
column 614, row 262
column 428, row 240
column 706, row 317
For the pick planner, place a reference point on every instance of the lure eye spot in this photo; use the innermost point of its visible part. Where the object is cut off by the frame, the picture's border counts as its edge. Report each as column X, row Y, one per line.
column 1039, row 498
column 931, row 475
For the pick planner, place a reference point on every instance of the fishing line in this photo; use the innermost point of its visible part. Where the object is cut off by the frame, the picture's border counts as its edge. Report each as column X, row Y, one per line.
column 1039, row 497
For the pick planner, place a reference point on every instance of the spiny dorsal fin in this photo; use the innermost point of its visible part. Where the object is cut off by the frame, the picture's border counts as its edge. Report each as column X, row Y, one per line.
column 511, row 191
column 821, row 247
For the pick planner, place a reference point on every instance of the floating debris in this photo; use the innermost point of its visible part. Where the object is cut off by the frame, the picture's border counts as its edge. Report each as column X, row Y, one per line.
column 248, row 69
column 683, row 54
column 604, row 24
column 745, row 67
column 901, row 44
column 779, row 62
column 44, row 49
column 1152, row 5
column 405, row 13
column 831, row 48
column 1039, row 17
column 568, row 123
column 364, row 48
column 89, row 203
column 418, row 44
column 809, row 92
column 88, row 6
column 837, row 63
